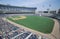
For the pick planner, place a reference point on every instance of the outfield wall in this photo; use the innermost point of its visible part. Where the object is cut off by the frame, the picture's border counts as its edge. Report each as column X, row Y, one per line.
column 8, row 15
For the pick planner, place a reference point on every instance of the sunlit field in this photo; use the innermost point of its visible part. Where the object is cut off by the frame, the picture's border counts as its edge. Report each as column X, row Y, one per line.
column 38, row 23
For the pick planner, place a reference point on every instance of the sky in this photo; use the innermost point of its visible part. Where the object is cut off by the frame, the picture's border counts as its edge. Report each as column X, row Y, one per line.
column 41, row 5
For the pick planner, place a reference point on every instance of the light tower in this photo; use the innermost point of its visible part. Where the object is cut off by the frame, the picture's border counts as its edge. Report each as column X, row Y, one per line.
column 49, row 8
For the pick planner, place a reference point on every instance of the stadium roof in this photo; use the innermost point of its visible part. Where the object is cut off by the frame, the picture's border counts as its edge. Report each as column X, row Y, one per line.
column 17, row 6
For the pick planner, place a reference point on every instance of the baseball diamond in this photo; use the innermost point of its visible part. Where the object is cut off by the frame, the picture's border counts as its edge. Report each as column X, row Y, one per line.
column 41, row 24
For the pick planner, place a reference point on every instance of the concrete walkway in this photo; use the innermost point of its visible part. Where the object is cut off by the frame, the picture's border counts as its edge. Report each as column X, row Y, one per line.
column 54, row 35
column 55, row 31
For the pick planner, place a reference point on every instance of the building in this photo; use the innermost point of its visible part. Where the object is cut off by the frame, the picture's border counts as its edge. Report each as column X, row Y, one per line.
column 51, row 13
column 16, row 9
column 58, row 14
column 58, row 11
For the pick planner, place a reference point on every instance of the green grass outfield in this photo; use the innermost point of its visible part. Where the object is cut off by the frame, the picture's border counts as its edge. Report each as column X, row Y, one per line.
column 41, row 24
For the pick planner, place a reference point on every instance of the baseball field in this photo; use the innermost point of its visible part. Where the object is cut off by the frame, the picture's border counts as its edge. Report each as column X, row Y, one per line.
column 38, row 23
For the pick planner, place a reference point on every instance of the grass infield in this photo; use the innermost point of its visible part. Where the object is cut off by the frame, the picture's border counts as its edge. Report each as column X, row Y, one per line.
column 39, row 23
